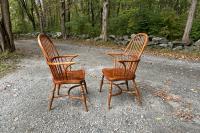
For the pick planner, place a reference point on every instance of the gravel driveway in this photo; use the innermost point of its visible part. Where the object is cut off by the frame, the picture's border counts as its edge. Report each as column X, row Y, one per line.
column 170, row 95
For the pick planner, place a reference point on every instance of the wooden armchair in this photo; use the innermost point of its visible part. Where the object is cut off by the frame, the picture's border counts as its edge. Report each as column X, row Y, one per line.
column 125, row 65
column 60, row 67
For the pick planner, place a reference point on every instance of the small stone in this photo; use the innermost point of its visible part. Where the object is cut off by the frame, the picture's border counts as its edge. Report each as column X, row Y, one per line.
column 16, row 119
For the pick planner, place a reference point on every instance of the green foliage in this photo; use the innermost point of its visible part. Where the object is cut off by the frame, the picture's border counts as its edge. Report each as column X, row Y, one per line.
column 195, row 34
column 156, row 17
column 119, row 25
column 173, row 25
column 80, row 24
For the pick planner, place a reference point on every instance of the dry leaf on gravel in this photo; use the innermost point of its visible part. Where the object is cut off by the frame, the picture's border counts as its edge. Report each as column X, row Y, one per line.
column 166, row 96
column 186, row 115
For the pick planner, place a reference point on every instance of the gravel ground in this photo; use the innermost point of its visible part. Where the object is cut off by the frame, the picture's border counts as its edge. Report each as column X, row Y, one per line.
column 24, row 96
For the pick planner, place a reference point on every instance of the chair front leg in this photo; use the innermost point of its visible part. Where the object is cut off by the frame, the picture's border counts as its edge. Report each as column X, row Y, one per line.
column 84, row 97
column 52, row 97
column 127, row 84
column 110, row 94
column 58, row 89
column 137, row 92
column 101, row 85
column 85, row 86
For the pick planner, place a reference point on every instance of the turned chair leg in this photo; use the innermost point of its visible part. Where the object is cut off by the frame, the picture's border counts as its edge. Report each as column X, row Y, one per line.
column 58, row 89
column 52, row 97
column 101, row 85
column 110, row 95
column 127, row 84
column 84, row 98
column 85, row 86
column 137, row 92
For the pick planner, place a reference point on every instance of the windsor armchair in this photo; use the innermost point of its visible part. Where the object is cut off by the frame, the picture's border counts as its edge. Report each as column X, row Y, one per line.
column 125, row 65
column 62, row 73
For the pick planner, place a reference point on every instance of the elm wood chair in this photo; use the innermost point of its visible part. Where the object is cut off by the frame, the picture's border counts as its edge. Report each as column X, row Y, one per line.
column 125, row 65
column 62, row 72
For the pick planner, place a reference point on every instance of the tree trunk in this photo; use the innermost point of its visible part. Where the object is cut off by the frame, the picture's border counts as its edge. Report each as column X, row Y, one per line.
column 104, row 20
column 91, row 12
column 30, row 14
column 188, row 27
column 40, row 13
column 63, row 18
column 68, row 17
column 6, row 36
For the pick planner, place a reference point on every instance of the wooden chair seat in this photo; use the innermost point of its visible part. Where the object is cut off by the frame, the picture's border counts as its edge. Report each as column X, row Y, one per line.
column 117, row 74
column 73, row 77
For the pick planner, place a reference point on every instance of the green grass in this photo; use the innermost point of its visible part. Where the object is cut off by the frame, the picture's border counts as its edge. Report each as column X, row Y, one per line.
column 8, row 62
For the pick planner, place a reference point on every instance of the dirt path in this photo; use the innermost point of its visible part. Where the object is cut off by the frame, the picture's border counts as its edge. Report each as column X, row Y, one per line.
column 24, row 96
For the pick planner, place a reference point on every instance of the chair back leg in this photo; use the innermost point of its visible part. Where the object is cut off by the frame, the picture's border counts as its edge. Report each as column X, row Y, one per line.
column 110, row 94
column 101, row 85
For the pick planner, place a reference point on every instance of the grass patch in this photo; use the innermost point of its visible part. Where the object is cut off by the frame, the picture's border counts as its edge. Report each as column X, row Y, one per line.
column 177, row 54
column 8, row 62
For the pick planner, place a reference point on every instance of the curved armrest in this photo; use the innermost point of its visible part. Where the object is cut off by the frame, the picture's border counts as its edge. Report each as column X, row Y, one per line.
column 72, row 55
column 67, row 64
column 115, row 54
column 64, row 58
column 126, row 61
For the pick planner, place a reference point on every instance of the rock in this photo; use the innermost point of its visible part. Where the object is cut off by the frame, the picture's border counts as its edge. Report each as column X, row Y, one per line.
column 97, row 38
column 151, row 37
column 159, row 40
column 197, row 43
column 170, row 44
column 84, row 36
column 132, row 36
column 151, row 43
column 125, row 42
column 178, row 43
column 120, row 38
column 163, row 45
column 112, row 37
column 125, row 37
column 178, row 48
column 58, row 34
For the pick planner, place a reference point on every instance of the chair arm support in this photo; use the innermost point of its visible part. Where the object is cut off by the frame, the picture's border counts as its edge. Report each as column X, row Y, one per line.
column 128, row 61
